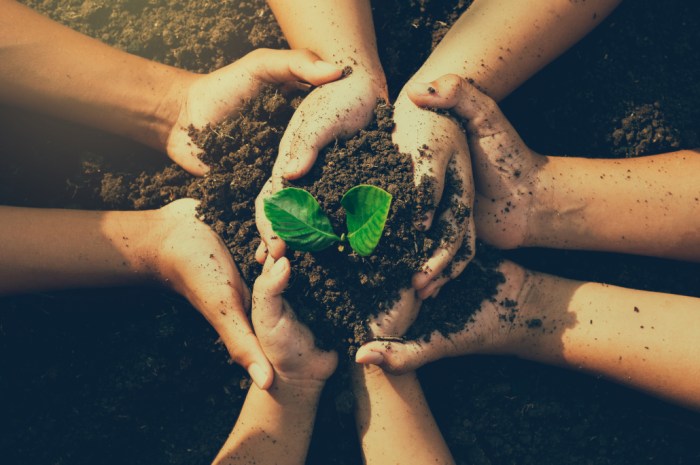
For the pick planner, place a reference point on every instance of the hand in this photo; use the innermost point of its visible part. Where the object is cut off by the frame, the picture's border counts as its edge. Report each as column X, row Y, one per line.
column 335, row 110
column 209, row 99
column 488, row 333
column 288, row 344
column 505, row 168
column 438, row 147
column 191, row 258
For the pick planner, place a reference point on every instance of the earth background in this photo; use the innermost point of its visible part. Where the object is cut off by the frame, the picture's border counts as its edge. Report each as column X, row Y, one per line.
column 136, row 376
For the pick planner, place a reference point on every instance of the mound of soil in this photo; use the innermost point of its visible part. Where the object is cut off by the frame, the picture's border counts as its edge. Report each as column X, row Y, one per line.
column 334, row 292
column 134, row 376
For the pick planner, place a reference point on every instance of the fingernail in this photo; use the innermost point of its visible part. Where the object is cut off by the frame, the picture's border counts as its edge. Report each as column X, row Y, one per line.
column 325, row 67
column 259, row 375
column 279, row 267
column 369, row 357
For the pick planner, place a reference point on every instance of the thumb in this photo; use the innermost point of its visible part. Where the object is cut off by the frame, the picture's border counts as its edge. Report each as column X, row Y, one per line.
column 397, row 357
column 279, row 66
column 268, row 305
column 451, row 92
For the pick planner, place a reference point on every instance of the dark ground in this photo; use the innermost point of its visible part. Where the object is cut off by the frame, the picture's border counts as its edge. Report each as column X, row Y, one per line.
column 134, row 376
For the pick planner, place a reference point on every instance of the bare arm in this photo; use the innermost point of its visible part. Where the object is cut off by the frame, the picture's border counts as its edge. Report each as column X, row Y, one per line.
column 501, row 43
column 52, row 69
column 647, row 205
column 44, row 249
column 275, row 426
column 394, row 421
column 645, row 340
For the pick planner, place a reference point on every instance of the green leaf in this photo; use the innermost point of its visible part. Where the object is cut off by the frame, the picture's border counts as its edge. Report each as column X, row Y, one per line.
column 298, row 220
column 367, row 208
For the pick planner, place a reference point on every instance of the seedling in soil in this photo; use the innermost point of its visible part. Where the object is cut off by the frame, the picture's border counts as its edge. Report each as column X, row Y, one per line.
column 297, row 218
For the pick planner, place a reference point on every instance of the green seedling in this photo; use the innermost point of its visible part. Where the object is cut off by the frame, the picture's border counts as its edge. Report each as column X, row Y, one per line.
column 297, row 219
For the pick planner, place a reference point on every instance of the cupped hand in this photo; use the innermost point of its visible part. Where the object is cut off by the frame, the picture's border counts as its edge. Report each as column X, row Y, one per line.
column 336, row 110
column 487, row 333
column 505, row 169
column 190, row 258
column 209, row 99
column 288, row 344
column 439, row 148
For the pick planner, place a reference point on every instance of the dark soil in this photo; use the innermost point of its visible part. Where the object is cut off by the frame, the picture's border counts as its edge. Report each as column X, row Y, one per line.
column 135, row 376
column 334, row 292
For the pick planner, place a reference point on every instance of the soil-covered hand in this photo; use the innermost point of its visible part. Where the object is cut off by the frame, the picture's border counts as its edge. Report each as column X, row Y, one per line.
column 332, row 111
column 208, row 99
column 395, row 322
column 505, row 169
column 191, row 259
column 288, row 344
column 439, row 149
column 487, row 333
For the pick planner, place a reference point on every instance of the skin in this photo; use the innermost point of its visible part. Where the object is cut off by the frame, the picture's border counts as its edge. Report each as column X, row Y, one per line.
column 394, row 421
column 638, row 338
column 275, row 425
column 42, row 68
column 168, row 246
column 497, row 43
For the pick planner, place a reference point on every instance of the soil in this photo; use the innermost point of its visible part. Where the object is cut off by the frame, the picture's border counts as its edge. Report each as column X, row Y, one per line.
column 135, row 376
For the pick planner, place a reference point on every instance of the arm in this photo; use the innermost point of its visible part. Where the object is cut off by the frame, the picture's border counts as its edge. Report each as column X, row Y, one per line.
column 394, row 421
column 502, row 43
column 52, row 69
column 275, row 426
column 499, row 44
column 642, row 339
column 340, row 32
column 647, row 205
column 53, row 249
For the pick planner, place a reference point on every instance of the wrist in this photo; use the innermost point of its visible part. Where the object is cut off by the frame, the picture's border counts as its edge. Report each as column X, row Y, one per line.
column 306, row 387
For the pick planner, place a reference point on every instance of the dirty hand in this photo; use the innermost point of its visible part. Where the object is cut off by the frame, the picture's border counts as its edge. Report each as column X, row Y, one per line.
column 288, row 344
column 332, row 111
column 395, row 322
column 487, row 333
column 439, row 149
column 505, row 169
column 212, row 97
column 190, row 258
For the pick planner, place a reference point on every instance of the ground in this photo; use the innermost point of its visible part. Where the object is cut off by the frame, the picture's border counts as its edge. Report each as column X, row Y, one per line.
column 135, row 375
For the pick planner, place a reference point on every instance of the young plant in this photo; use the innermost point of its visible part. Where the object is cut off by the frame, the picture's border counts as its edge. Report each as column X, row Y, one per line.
column 298, row 220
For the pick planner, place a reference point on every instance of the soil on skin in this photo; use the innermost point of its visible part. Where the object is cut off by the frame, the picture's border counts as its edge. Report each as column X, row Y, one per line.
column 335, row 292
column 135, row 376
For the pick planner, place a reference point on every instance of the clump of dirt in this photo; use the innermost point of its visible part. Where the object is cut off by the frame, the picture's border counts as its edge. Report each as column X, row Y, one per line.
column 644, row 130
column 334, row 291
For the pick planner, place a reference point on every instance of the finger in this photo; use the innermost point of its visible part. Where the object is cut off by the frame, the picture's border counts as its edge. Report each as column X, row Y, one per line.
column 397, row 357
column 268, row 305
column 189, row 158
column 454, row 223
column 462, row 259
column 261, row 253
column 280, row 66
column 451, row 92
column 275, row 246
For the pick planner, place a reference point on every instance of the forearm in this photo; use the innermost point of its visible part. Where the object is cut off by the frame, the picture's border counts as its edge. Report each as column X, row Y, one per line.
column 43, row 249
column 274, row 426
column 501, row 43
column 647, row 205
column 394, row 421
column 643, row 339
column 338, row 31
column 49, row 68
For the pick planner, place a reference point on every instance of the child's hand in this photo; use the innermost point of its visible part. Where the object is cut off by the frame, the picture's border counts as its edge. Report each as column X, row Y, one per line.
column 439, row 148
column 332, row 111
column 505, row 169
column 211, row 98
column 396, row 321
column 189, row 257
column 488, row 333
column 288, row 344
